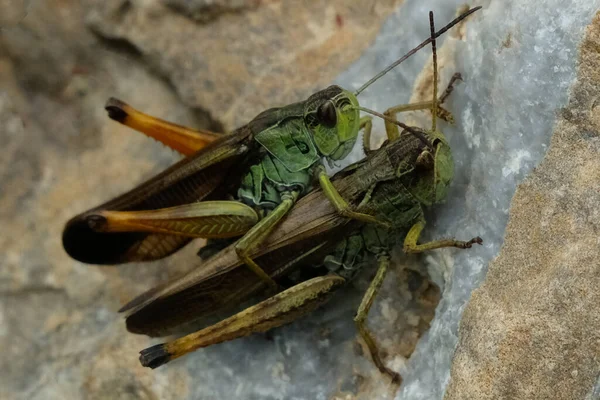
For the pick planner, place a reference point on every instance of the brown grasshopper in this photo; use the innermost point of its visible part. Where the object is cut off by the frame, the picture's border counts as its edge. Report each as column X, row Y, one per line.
column 412, row 170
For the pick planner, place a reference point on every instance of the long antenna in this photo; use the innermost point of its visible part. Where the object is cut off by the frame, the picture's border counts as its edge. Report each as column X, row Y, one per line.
column 419, row 47
column 402, row 125
column 435, row 72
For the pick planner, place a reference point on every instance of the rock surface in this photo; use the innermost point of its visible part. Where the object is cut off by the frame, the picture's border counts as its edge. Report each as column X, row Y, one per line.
column 519, row 61
column 58, row 318
column 253, row 53
column 531, row 330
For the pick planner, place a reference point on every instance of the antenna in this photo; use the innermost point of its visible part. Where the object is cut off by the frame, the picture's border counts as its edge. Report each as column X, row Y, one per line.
column 419, row 47
column 435, row 73
column 402, row 125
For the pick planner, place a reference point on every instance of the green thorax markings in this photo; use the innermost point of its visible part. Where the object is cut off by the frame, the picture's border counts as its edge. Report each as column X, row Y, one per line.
column 264, row 184
column 295, row 138
column 325, row 125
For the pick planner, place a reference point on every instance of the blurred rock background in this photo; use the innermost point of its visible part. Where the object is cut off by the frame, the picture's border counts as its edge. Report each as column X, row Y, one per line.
column 216, row 64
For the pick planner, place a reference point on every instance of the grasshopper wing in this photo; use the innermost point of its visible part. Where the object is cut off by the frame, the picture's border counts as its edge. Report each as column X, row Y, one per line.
column 211, row 173
column 221, row 283
column 166, row 309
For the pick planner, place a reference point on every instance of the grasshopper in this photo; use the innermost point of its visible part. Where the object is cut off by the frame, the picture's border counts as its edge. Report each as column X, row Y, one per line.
column 394, row 183
column 243, row 183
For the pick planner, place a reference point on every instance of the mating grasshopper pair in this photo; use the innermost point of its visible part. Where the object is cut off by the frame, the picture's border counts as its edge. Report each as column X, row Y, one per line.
column 266, row 166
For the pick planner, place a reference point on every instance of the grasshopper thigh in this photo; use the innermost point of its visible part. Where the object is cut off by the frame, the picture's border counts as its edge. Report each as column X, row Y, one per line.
column 184, row 140
column 278, row 310
column 206, row 219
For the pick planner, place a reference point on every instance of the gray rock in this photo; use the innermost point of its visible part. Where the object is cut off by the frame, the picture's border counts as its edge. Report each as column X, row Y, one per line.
column 531, row 330
column 518, row 60
column 59, row 324
column 209, row 10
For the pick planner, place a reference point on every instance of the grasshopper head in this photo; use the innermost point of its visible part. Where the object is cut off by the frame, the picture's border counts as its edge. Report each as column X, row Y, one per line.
column 444, row 166
column 333, row 119
column 433, row 165
column 441, row 168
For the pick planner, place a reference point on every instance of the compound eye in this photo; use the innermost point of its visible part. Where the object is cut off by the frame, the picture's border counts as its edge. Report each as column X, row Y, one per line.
column 327, row 115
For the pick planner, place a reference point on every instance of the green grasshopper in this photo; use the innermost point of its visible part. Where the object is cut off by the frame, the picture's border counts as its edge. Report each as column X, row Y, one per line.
column 410, row 171
column 243, row 183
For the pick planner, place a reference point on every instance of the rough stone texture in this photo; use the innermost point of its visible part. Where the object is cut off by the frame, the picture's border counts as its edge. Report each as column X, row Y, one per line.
column 531, row 331
column 61, row 155
column 518, row 60
column 13, row 12
column 252, row 56
column 58, row 326
column 208, row 10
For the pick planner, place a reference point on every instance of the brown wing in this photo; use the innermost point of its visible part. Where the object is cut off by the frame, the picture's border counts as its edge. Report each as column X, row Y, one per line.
column 207, row 174
column 306, row 235
column 303, row 238
column 161, row 311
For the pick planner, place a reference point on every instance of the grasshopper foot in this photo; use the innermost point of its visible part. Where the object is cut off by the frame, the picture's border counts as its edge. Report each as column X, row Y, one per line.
column 116, row 110
column 475, row 240
column 155, row 356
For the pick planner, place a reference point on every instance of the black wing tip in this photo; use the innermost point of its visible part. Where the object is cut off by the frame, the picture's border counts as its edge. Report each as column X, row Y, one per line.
column 140, row 299
column 130, row 305
column 116, row 109
column 155, row 356
column 125, row 307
